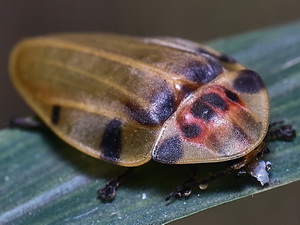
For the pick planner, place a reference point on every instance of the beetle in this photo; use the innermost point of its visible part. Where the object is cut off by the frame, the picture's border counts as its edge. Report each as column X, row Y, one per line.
column 127, row 100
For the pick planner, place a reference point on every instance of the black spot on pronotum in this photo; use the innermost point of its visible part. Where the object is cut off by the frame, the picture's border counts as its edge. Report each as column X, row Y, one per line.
column 160, row 108
column 231, row 95
column 202, row 72
column 191, row 130
column 169, row 151
column 55, row 114
column 248, row 81
column 111, row 141
column 214, row 100
column 202, row 110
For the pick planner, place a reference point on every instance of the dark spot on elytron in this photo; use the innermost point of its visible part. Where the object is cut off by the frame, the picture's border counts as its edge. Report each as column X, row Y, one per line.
column 111, row 141
column 191, row 130
column 161, row 107
column 223, row 57
column 248, row 81
column 214, row 100
column 231, row 95
column 202, row 110
column 202, row 72
column 169, row 151
column 55, row 114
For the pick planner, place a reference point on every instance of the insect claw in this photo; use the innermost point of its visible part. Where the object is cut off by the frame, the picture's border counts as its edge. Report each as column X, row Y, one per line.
column 187, row 192
column 108, row 192
column 181, row 191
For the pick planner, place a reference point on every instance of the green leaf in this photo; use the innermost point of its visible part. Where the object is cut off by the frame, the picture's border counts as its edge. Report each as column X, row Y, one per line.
column 44, row 180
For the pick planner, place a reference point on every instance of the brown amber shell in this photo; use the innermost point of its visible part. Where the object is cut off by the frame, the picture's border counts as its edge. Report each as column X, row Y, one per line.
column 126, row 100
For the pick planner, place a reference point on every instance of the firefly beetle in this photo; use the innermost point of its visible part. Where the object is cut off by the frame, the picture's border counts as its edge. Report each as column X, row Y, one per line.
column 127, row 100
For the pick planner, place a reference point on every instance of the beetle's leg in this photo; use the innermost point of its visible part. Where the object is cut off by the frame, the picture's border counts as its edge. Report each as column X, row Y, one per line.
column 185, row 189
column 108, row 192
column 279, row 131
column 246, row 165
column 25, row 122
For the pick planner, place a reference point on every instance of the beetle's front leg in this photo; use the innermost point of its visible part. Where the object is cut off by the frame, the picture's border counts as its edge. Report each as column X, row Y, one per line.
column 279, row 131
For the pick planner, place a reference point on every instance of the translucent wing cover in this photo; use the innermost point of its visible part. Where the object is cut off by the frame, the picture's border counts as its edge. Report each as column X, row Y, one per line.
column 117, row 97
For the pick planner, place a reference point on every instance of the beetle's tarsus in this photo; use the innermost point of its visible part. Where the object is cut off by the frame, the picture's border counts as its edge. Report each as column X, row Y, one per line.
column 108, row 192
column 25, row 122
column 184, row 190
column 279, row 131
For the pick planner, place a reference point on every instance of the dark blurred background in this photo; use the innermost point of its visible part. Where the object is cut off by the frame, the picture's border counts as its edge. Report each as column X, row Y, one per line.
column 191, row 19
